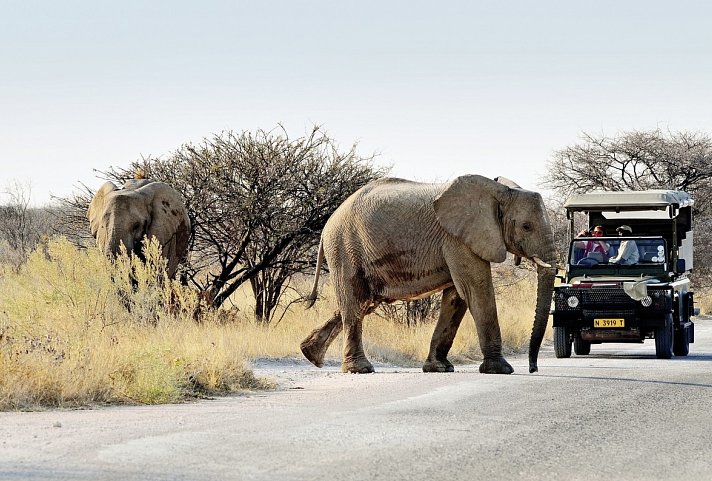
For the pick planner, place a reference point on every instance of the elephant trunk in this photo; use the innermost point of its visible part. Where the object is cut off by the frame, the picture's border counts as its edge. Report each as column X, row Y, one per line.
column 545, row 289
column 107, row 241
column 113, row 247
column 114, row 240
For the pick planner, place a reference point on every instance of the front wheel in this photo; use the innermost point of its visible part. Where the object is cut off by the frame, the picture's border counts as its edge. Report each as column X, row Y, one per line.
column 581, row 347
column 664, row 339
column 562, row 342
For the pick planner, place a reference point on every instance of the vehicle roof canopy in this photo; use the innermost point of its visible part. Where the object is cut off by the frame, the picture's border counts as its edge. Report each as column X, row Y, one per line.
column 628, row 200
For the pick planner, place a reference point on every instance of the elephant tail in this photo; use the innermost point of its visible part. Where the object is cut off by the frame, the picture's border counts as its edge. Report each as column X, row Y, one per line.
column 311, row 298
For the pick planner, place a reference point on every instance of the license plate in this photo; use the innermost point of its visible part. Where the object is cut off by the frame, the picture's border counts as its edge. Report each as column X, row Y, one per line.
column 608, row 323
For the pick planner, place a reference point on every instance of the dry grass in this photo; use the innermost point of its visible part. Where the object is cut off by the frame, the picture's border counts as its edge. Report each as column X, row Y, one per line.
column 703, row 300
column 67, row 338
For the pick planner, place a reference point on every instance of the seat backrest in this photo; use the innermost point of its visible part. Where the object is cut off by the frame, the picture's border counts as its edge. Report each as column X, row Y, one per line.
column 647, row 256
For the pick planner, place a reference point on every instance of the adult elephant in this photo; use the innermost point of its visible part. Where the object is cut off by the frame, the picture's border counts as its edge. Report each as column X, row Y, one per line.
column 141, row 209
column 394, row 239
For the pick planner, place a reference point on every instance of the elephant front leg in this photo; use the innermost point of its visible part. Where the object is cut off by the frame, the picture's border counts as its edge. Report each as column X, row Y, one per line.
column 485, row 315
column 316, row 344
column 452, row 310
column 484, row 312
column 473, row 280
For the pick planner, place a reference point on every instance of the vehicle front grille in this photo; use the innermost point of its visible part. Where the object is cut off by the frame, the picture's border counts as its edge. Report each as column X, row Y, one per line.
column 605, row 298
column 609, row 301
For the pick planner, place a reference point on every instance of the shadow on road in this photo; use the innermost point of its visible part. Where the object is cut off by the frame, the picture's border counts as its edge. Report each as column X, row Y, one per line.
column 626, row 379
column 619, row 355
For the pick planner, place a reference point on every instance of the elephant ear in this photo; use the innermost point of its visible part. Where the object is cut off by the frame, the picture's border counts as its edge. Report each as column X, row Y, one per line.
column 96, row 206
column 469, row 210
column 512, row 185
column 169, row 221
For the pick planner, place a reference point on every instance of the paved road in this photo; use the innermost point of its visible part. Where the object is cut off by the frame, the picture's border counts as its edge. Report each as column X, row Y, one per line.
column 618, row 414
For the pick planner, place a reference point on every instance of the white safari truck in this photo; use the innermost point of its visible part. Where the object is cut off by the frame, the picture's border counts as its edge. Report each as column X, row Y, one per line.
column 605, row 298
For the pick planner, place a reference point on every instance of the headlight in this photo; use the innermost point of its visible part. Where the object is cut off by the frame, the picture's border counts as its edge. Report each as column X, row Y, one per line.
column 572, row 301
column 647, row 301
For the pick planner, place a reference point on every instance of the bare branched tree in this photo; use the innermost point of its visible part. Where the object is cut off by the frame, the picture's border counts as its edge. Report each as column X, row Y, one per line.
column 559, row 226
column 640, row 160
column 257, row 203
column 636, row 161
column 21, row 226
column 72, row 219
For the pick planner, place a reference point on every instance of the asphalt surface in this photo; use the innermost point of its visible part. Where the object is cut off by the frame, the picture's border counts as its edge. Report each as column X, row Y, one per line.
column 616, row 414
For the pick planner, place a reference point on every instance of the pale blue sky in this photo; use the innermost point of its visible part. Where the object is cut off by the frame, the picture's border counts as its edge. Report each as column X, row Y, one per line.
column 439, row 89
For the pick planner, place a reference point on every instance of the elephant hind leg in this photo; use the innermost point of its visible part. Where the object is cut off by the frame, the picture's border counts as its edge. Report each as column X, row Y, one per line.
column 355, row 360
column 452, row 310
column 316, row 344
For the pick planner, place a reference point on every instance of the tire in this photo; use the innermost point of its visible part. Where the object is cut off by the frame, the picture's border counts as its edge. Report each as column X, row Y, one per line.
column 562, row 342
column 681, row 343
column 664, row 339
column 581, row 347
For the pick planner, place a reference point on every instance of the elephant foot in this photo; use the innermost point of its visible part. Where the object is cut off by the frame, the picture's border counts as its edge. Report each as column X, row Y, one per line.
column 359, row 366
column 497, row 365
column 313, row 351
column 316, row 344
column 438, row 366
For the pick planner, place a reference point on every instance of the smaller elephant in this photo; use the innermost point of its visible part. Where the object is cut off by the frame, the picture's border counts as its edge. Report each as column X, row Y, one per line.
column 142, row 208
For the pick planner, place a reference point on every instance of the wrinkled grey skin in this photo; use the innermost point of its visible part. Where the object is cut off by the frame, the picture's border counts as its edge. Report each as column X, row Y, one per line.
column 395, row 239
column 142, row 208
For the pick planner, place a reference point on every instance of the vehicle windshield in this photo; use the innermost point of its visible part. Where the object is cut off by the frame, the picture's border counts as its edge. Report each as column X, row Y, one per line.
column 592, row 251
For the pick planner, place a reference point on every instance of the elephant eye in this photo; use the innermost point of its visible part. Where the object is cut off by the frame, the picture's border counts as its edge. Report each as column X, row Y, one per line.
column 527, row 226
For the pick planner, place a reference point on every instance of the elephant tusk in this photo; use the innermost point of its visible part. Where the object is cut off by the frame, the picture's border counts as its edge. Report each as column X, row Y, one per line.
column 540, row 262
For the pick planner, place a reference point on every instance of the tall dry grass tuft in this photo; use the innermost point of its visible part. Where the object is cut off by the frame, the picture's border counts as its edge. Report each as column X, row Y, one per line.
column 77, row 330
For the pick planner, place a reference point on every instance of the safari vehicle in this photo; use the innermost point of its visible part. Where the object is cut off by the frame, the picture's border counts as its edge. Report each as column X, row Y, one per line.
column 602, row 301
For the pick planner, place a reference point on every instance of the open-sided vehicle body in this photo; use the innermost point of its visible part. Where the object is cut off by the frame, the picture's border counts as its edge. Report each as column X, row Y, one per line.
column 603, row 301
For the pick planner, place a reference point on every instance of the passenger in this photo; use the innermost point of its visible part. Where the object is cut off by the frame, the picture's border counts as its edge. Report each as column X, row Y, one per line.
column 594, row 252
column 628, row 250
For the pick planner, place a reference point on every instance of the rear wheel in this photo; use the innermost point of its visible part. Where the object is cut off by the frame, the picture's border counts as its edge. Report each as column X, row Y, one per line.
column 581, row 347
column 664, row 339
column 562, row 342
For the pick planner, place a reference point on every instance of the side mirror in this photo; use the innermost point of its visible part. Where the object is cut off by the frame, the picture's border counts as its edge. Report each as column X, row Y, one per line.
column 680, row 266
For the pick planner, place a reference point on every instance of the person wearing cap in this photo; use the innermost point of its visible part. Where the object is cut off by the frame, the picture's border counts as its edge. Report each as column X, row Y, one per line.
column 628, row 250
